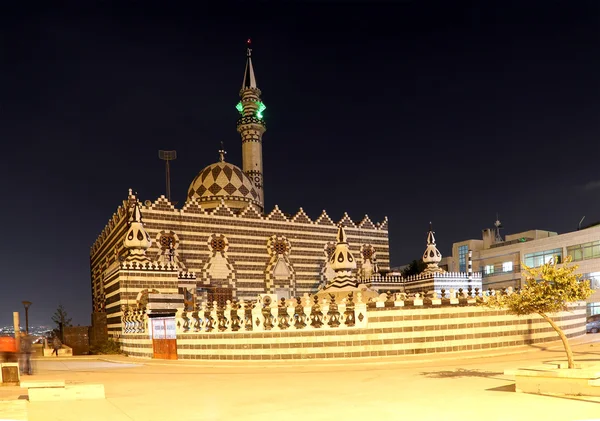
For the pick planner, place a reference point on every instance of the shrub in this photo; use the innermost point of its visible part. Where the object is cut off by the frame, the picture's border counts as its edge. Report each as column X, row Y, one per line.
column 106, row 348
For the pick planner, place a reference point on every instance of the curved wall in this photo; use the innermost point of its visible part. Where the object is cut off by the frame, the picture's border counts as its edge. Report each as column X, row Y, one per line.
column 390, row 331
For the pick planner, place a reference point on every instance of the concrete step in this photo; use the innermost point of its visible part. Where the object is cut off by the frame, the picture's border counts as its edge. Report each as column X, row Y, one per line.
column 31, row 384
column 68, row 393
column 594, row 382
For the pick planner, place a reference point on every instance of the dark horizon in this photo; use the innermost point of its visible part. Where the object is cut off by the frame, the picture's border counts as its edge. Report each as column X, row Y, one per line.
column 418, row 111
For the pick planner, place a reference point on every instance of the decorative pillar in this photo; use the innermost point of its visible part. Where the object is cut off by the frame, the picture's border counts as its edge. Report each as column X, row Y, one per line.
column 470, row 266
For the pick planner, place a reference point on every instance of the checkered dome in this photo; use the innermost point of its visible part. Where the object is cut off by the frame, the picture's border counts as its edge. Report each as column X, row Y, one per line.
column 222, row 180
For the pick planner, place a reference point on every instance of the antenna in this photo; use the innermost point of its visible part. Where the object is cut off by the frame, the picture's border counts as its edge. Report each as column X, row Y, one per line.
column 498, row 225
column 168, row 156
column 579, row 226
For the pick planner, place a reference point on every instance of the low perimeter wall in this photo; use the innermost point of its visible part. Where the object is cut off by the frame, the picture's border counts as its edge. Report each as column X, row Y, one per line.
column 390, row 330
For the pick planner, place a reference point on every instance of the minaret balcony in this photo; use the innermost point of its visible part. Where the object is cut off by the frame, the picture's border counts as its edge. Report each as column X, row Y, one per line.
column 250, row 120
column 250, row 91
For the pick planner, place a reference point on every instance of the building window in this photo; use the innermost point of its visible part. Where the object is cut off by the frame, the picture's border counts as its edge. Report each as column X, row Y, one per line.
column 594, row 279
column 488, row 269
column 507, row 267
column 593, row 309
column 463, row 251
column 584, row 251
column 542, row 257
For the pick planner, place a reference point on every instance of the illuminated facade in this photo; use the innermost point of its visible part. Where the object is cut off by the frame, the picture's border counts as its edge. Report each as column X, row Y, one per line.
column 500, row 262
column 221, row 244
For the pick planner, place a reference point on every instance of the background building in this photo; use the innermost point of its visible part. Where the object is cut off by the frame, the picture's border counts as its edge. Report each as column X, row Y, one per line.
column 500, row 259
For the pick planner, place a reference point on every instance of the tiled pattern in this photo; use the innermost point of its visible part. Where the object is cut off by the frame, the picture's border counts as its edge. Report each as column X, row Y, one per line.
column 247, row 235
column 223, row 180
column 327, row 272
column 280, row 272
column 168, row 243
column 126, row 287
column 391, row 331
column 218, row 270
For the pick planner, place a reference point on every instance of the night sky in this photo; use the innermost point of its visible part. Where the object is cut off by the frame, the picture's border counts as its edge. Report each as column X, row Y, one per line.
column 423, row 111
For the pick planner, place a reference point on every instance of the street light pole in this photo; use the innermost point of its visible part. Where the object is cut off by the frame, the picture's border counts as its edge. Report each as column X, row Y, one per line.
column 26, row 304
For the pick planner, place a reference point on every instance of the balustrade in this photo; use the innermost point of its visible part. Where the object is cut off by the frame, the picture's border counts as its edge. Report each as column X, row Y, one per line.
column 134, row 320
column 301, row 313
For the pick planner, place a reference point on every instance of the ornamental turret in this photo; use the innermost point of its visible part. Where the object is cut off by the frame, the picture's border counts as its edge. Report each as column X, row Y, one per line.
column 343, row 263
column 432, row 256
column 137, row 240
column 251, row 127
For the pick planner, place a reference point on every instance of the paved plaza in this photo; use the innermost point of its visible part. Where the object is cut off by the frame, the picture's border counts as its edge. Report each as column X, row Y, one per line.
column 460, row 387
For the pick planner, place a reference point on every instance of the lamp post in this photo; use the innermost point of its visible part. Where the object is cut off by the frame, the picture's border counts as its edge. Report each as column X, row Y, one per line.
column 26, row 304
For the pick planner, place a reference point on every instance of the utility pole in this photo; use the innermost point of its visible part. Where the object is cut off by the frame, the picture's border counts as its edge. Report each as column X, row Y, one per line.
column 168, row 156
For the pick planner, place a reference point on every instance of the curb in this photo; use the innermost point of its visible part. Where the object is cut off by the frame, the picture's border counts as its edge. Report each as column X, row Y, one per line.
column 337, row 362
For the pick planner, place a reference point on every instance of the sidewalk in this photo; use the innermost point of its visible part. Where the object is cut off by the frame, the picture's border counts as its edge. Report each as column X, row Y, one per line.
column 460, row 386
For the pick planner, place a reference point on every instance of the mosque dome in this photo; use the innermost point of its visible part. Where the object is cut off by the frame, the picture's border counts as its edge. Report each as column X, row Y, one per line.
column 225, row 181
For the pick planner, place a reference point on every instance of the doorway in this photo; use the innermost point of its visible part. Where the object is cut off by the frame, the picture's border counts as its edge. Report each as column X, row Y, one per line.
column 164, row 338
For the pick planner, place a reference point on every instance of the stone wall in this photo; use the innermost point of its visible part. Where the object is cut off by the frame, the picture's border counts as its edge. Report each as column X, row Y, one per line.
column 391, row 330
column 77, row 338
column 98, row 331
column 247, row 263
column 136, row 345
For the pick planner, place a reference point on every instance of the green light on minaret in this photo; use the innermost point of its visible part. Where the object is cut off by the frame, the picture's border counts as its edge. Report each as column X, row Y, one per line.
column 261, row 108
column 259, row 111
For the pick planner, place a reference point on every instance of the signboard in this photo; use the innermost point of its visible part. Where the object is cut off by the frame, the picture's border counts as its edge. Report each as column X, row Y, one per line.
column 171, row 332
column 158, row 328
column 164, row 328
column 165, row 297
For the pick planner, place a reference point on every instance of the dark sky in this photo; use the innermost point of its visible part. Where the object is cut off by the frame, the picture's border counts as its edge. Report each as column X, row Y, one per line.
column 418, row 110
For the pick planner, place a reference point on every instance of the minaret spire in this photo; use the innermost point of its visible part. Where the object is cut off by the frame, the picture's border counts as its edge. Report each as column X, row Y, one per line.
column 249, row 78
column 430, row 236
column 251, row 126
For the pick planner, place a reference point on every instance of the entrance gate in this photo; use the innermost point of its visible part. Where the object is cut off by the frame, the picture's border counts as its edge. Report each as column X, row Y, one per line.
column 164, row 338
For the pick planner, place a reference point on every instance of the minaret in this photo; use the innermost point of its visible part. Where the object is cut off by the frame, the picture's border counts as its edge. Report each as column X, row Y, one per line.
column 137, row 239
column 251, row 127
column 432, row 255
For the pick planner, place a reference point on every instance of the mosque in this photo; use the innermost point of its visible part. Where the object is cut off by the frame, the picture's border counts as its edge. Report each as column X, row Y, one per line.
column 222, row 244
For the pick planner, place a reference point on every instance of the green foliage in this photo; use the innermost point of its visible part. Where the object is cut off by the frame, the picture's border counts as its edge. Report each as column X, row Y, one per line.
column 61, row 318
column 414, row 268
column 106, row 348
column 548, row 289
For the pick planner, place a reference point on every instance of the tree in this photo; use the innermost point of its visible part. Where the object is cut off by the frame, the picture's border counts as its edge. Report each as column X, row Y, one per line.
column 414, row 268
column 548, row 289
column 61, row 318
